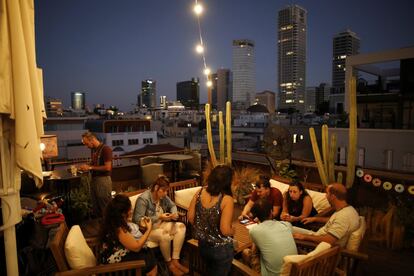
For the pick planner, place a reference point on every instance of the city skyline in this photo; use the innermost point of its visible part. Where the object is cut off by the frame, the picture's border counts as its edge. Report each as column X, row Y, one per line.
column 106, row 48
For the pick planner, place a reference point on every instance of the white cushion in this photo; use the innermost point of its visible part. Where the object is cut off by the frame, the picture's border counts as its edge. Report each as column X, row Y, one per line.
column 288, row 260
column 280, row 185
column 183, row 197
column 356, row 237
column 133, row 200
column 318, row 199
column 78, row 253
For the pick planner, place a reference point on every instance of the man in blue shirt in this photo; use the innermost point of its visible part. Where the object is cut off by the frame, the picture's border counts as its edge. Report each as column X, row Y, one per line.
column 273, row 238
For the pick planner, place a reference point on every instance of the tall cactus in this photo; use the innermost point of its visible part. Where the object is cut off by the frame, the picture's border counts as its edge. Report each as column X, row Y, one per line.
column 210, row 144
column 326, row 168
column 331, row 162
column 221, row 132
column 352, row 139
column 210, row 137
column 318, row 159
column 325, row 148
column 228, row 133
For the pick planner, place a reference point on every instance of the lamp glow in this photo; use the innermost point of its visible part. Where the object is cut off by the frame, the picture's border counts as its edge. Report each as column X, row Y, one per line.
column 199, row 49
column 207, row 71
column 209, row 83
column 42, row 146
column 198, row 9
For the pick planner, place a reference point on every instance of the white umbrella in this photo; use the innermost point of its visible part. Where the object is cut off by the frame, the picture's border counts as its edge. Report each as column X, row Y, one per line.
column 22, row 109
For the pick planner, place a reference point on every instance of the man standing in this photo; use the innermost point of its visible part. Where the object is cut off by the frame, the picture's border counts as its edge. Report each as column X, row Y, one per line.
column 100, row 168
column 340, row 225
column 263, row 190
column 273, row 238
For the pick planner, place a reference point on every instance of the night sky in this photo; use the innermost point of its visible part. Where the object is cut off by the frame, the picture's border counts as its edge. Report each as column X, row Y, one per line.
column 105, row 48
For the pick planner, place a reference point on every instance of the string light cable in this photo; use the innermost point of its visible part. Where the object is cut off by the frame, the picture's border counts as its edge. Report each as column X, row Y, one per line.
column 200, row 48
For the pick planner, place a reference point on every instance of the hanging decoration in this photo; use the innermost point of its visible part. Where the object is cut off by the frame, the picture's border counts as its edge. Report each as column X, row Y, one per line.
column 386, row 185
column 399, row 188
column 376, row 182
column 411, row 189
column 367, row 178
column 359, row 173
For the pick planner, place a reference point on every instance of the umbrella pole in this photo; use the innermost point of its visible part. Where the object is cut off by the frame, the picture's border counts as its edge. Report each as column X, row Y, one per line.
column 10, row 204
column 10, row 245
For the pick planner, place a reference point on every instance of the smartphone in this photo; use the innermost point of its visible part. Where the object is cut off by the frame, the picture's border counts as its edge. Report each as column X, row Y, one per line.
column 244, row 221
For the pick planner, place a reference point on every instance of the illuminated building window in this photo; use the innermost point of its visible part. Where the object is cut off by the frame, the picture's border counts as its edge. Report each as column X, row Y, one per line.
column 289, row 53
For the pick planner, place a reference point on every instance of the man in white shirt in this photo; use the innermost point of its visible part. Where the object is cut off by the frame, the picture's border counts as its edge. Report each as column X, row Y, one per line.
column 340, row 225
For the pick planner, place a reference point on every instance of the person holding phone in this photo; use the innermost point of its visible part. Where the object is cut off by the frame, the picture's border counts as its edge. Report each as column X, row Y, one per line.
column 155, row 204
column 118, row 244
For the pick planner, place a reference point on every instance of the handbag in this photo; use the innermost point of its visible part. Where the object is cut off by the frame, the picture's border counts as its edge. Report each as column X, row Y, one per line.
column 52, row 219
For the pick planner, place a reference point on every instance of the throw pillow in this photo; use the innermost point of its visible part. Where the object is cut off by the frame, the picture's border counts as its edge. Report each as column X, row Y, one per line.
column 78, row 253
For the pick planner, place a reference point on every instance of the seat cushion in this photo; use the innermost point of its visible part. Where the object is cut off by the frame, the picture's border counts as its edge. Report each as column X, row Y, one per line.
column 288, row 260
column 183, row 197
column 78, row 253
column 356, row 237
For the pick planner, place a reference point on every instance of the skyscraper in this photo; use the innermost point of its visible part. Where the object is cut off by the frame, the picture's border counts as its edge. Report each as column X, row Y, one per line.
column 244, row 80
column 148, row 93
column 78, row 100
column 188, row 93
column 345, row 44
column 222, row 88
column 292, row 24
column 214, row 92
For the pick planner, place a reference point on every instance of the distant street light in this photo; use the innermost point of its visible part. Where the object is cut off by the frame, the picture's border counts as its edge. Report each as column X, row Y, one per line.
column 189, row 140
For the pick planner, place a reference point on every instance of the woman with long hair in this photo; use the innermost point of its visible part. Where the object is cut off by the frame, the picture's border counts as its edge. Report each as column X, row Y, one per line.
column 155, row 204
column 211, row 214
column 297, row 205
column 117, row 242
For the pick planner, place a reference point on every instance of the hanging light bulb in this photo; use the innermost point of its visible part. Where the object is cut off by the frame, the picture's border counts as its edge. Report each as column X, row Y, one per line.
column 198, row 9
column 207, row 71
column 209, row 83
column 199, row 49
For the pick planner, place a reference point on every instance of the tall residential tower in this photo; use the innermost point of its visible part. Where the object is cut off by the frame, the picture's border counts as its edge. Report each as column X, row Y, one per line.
column 292, row 57
column 345, row 44
column 188, row 93
column 244, row 79
column 148, row 93
column 222, row 88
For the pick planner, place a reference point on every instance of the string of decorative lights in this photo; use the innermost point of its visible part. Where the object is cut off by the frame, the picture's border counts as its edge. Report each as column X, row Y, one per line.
column 198, row 10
